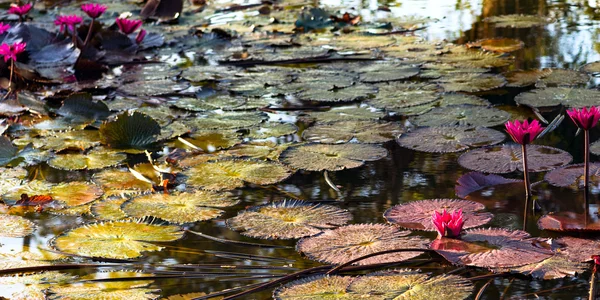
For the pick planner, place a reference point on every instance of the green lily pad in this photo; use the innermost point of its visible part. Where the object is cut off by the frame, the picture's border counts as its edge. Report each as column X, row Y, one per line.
column 463, row 57
column 180, row 208
column 450, row 99
column 348, row 242
column 362, row 131
column 554, row 96
column 226, row 120
column 116, row 239
column 519, row 21
column 73, row 139
column 507, row 158
column 437, row 70
column 80, row 107
column 228, row 174
column 462, row 115
column 154, row 87
column 520, row 78
column 471, row 82
column 219, row 101
column 15, row 226
column 272, row 129
column 563, row 78
column 319, row 157
column 93, row 160
column 288, row 220
column 136, row 130
column 346, row 113
column 213, row 140
column 396, row 95
column 449, row 139
column 381, row 72
column 347, row 94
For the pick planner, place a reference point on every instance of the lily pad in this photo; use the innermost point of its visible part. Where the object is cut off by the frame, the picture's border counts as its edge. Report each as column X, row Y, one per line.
column 593, row 67
column 471, row 82
column 519, row 21
column 288, row 220
column 554, row 267
column 467, row 58
column 136, row 130
column 316, row 287
column 572, row 176
column 347, row 94
column 80, row 107
column 343, row 132
column 68, row 194
column 408, row 284
column 109, row 289
column 109, row 209
column 228, row 174
column 563, row 78
column 462, row 115
column 63, row 140
column 212, row 140
column 154, row 87
column 31, row 286
column 417, row 214
column 569, row 222
column 449, row 139
column 475, row 181
column 93, row 160
column 116, row 239
column 501, row 45
column 272, row 129
column 180, row 208
column 491, row 248
column 226, row 120
column 15, row 226
column 353, row 241
column 396, row 95
column 554, row 96
column 381, row 72
column 507, row 158
column 116, row 182
column 349, row 113
column 578, row 250
column 520, row 78
column 316, row 157
column 449, row 99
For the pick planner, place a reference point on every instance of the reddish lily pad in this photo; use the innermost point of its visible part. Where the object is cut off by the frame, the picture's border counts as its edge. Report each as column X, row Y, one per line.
column 569, row 221
column 578, row 250
column 506, row 158
column 417, row 214
column 572, row 176
column 449, row 139
column 492, row 248
column 554, row 267
column 353, row 241
column 475, row 181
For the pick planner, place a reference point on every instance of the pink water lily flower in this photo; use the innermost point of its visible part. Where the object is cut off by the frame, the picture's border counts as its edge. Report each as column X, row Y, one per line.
column 448, row 224
column 69, row 21
column 4, row 28
column 128, row 26
column 11, row 51
column 20, row 10
column 93, row 10
column 585, row 118
column 523, row 133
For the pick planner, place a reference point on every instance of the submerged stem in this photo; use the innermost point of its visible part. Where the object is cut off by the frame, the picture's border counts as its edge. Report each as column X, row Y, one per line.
column 586, row 159
column 525, row 171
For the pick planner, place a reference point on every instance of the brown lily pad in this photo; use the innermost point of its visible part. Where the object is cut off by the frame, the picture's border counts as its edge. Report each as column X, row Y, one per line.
column 572, row 176
column 492, row 248
column 507, row 158
column 569, row 221
column 449, row 138
column 353, row 241
column 554, row 267
column 417, row 214
column 475, row 181
column 578, row 250
column 318, row 157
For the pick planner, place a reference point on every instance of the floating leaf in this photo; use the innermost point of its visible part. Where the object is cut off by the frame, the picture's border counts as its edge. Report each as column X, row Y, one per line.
column 475, row 181
column 317, row 157
column 115, row 182
column 522, row 78
column 450, row 99
column 462, row 57
column 464, row 115
column 343, row 132
column 67, row 194
column 288, row 220
column 10, row 153
column 353, row 241
column 563, row 78
column 135, row 130
column 31, row 286
column 272, row 129
column 316, row 287
column 417, row 214
column 15, row 226
column 228, row 174
column 554, row 267
column 569, row 221
column 572, row 176
column 501, row 45
column 213, row 140
column 491, row 248
column 226, row 120
column 347, row 94
column 109, row 209
column 351, row 113
column 518, row 21
column 398, row 95
column 63, row 140
column 437, row 70
column 593, row 67
column 381, row 72
column 93, row 160
column 116, row 239
column 180, row 208
column 471, row 82
column 507, row 158
column 109, row 289
column 449, row 139
column 154, row 87
column 576, row 249
column 11, row 177
column 408, row 284
column 80, row 107
column 554, row 96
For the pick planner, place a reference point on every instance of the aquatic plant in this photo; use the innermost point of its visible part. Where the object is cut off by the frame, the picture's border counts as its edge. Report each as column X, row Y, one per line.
column 448, row 224
column 523, row 134
column 585, row 119
column 93, row 10
column 4, row 28
column 128, row 26
column 10, row 52
column 20, row 10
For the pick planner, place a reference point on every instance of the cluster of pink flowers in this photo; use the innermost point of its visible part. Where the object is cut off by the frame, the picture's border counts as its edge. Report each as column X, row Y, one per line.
column 11, row 51
column 448, row 224
column 68, row 21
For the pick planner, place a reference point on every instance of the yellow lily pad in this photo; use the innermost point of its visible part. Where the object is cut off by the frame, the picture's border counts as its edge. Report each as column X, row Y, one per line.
column 15, row 226
column 318, row 157
column 94, row 160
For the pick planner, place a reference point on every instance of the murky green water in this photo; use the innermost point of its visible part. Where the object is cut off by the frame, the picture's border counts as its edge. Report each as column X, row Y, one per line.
column 403, row 176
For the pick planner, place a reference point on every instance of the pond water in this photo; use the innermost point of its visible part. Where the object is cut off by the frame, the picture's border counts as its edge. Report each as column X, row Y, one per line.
column 566, row 39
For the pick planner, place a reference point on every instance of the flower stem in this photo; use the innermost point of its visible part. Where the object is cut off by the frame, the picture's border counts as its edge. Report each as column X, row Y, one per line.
column 525, row 171
column 12, row 67
column 89, row 34
column 586, row 159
